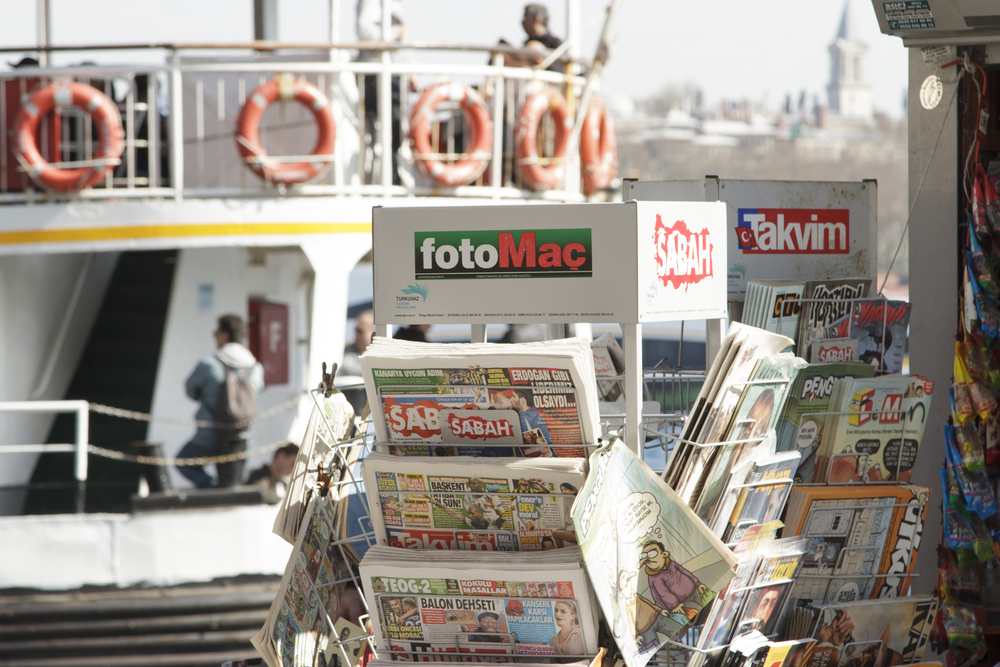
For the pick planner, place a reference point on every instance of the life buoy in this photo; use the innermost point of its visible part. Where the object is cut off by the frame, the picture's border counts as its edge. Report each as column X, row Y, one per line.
column 598, row 148
column 107, row 120
column 478, row 145
column 535, row 175
column 285, row 87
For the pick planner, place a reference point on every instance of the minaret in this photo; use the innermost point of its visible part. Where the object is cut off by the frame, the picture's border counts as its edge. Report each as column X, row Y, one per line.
column 850, row 91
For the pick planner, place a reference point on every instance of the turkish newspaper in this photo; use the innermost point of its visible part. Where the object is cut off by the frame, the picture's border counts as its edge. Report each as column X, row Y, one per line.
column 459, row 607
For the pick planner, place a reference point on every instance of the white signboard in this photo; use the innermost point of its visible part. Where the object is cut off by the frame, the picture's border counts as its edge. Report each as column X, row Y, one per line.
column 794, row 230
column 682, row 260
column 547, row 263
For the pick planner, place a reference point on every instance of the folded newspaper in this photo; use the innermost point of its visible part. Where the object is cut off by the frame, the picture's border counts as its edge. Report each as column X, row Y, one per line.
column 299, row 623
column 490, row 399
column 655, row 566
column 429, row 607
column 481, row 504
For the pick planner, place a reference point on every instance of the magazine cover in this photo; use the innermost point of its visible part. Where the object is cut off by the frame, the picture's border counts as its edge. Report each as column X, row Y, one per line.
column 763, row 497
column 755, row 346
column 756, row 414
column 825, row 302
column 472, row 504
column 863, row 540
column 869, row 634
column 800, row 426
column 654, row 565
column 879, row 329
column 484, row 606
column 297, row 628
column 879, row 439
column 783, row 307
column 834, row 351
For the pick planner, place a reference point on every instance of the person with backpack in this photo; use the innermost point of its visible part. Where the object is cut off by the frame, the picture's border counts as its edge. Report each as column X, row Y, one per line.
column 226, row 384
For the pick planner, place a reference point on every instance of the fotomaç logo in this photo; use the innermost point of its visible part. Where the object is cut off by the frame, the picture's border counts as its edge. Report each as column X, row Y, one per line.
column 682, row 257
column 538, row 253
column 793, row 231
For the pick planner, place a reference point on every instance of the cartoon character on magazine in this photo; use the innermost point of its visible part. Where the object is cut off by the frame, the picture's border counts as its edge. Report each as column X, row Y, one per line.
column 675, row 591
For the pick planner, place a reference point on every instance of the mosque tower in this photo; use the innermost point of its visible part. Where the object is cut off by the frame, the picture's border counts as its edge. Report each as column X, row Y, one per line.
column 849, row 89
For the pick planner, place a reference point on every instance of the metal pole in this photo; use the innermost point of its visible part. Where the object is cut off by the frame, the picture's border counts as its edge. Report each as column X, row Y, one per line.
column 80, row 468
column 496, row 164
column 632, row 346
column 176, row 128
column 44, row 31
column 385, row 101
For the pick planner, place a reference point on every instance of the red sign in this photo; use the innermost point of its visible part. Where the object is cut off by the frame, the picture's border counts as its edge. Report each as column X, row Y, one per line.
column 477, row 427
column 793, row 231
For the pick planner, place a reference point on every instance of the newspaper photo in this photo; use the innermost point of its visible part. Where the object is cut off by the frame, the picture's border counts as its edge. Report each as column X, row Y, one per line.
column 655, row 566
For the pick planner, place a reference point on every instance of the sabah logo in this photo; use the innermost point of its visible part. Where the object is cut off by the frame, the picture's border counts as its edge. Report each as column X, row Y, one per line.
column 793, row 231
column 683, row 257
column 477, row 427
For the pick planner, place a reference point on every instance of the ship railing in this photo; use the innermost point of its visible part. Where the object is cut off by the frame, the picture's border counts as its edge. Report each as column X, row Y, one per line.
column 78, row 448
column 180, row 120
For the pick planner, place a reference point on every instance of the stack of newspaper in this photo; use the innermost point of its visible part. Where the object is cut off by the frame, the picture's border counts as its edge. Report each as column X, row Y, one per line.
column 480, row 504
column 488, row 605
column 525, row 399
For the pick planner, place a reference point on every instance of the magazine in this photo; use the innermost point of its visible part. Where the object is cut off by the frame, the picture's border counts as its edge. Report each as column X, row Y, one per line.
column 324, row 447
column 542, row 394
column 483, row 504
column 609, row 362
column 779, row 307
column 834, row 351
column 763, row 495
column 297, row 628
column 880, row 331
column 427, row 607
column 863, row 540
column 800, row 426
column 755, row 345
column 879, row 439
column 825, row 302
column 655, row 567
column 760, row 404
column 874, row 633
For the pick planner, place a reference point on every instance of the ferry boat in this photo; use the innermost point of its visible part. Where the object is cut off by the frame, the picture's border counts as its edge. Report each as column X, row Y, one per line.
column 140, row 202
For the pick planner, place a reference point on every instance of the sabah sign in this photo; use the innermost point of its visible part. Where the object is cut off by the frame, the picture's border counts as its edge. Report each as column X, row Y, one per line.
column 549, row 263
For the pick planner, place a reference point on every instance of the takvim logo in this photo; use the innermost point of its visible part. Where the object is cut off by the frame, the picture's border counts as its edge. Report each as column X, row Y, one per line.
column 793, row 231
column 538, row 253
column 682, row 257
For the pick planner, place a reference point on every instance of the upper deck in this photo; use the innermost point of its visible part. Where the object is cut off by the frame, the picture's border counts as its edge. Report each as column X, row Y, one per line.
column 181, row 181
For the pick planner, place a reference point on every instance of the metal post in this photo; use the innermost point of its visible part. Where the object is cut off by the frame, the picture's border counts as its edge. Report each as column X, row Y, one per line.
column 478, row 333
column 632, row 346
column 176, row 128
column 80, row 467
column 496, row 164
column 715, row 329
column 385, row 101
column 44, row 31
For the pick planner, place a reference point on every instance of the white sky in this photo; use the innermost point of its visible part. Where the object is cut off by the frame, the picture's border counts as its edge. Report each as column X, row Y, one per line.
column 730, row 48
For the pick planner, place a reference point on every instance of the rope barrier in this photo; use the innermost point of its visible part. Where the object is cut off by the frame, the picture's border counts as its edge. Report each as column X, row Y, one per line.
column 201, row 423
column 197, row 461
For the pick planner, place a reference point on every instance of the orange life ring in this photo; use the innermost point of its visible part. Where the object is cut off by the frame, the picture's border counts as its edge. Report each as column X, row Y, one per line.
column 536, row 176
column 598, row 148
column 285, row 87
column 479, row 143
column 107, row 120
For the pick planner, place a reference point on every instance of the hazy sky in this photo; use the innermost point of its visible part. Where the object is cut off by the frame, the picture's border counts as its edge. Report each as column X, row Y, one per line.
column 730, row 48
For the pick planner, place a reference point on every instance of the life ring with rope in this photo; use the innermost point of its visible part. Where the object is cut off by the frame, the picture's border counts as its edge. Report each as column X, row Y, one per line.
column 477, row 151
column 598, row 148
column 534, row 174
column 110, row 135
column 286, row 88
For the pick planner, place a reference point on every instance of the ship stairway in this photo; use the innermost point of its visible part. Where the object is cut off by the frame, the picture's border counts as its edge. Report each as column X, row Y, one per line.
column 192, row 625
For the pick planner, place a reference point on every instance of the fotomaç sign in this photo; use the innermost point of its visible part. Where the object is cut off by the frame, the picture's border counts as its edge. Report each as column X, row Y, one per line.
column 538, row 253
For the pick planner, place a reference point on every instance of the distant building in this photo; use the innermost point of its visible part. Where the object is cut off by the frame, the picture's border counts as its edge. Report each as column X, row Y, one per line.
column 849, row 90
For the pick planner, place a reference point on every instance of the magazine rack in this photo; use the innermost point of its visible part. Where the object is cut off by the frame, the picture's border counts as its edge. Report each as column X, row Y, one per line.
column 552, row 264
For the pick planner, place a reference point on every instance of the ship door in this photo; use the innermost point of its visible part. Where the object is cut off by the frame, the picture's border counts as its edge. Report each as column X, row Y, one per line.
column 268, row 338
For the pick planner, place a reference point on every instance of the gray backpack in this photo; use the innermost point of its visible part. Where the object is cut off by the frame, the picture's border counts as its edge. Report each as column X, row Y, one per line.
column 237, row 402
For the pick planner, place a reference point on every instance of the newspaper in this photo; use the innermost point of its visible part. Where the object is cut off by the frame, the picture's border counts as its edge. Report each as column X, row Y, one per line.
column 609, row 362
column 299, row 626
column 482, row 504
column 320, row 447
column 539, row 396
column 654, row 565
column 879, row 331
column 430, row 607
